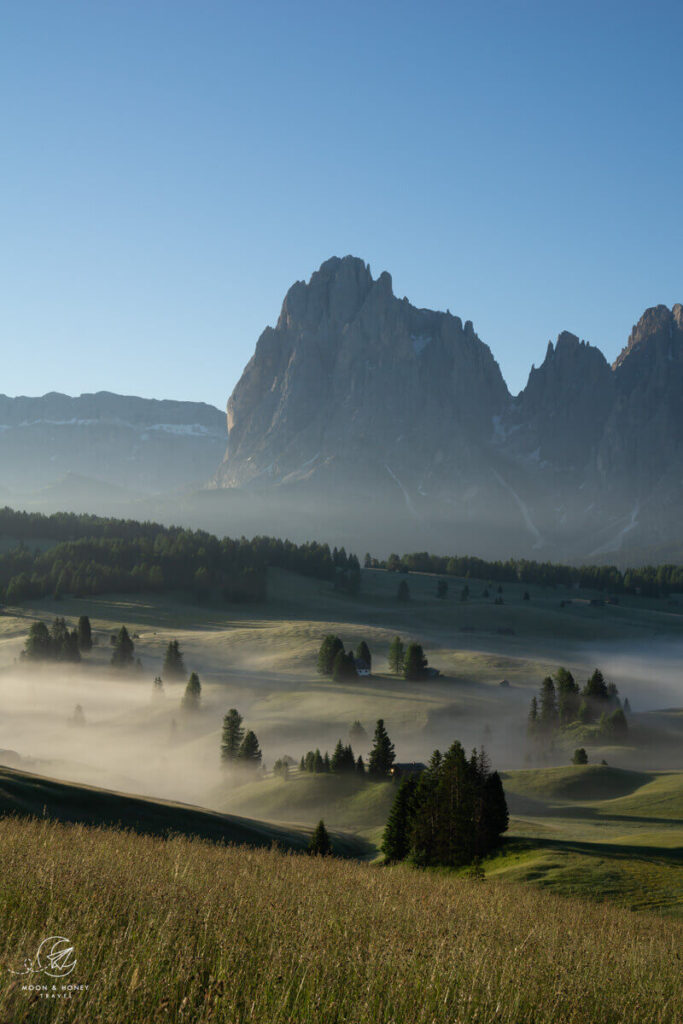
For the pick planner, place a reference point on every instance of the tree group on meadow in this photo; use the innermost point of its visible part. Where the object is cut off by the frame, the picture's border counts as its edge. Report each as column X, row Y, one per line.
column 173, row 667
column 452, row 814
column 563, row 705
column 341, row 665
column 239, row 747
column 58, row 643
column 342, row 762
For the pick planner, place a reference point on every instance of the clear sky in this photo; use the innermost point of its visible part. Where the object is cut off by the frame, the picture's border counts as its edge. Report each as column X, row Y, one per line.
column 169, row 168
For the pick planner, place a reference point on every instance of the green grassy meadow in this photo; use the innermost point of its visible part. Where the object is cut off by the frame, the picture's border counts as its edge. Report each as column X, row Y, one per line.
column 578, row 918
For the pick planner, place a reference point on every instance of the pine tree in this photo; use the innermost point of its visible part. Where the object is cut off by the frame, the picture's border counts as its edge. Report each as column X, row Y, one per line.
column 596, row 687
column 532, row 720
column 617, row 724
column 548, row 716
column 344, row 668
column 337, row 760
column 567, row 696
column 84, row 633
column 320, row 845
column 363, row 653
column 357, row 733
column 360, row 766
column 249, row 752
column 122, row 655
column 382, row 755
column 415, row 663
column 232, row 735
column 580, row 756
column 495, row 817
column 427, row 817
column 174, row 665
column 37, row 645
column 302, row 764
column 403, row 591
column 397, row 832
column 193, row 693
column 329, row 648
column 318, row 762
column 396, row 656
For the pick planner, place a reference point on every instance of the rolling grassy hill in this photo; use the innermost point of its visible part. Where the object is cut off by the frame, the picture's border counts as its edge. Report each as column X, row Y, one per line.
column 22, row 793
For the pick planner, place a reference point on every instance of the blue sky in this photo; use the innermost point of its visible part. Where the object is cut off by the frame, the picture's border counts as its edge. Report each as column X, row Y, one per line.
column 170, row 168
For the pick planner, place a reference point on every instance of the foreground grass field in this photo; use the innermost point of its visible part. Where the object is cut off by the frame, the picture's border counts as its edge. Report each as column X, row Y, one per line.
column 182, row 930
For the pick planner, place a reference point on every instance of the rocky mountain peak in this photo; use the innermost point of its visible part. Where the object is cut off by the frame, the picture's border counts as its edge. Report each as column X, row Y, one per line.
column 348, row 362
column 658, row 329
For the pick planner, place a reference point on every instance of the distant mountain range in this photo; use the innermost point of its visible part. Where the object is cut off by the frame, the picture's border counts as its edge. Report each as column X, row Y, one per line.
column 365, row 421
column 137, row 446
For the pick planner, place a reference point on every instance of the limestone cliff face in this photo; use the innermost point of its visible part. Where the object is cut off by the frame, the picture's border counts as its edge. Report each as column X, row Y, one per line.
column 357, row 392
column 352, row 374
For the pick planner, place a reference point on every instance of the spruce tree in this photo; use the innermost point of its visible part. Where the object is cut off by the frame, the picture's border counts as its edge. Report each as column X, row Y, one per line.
column 363, row 653
column 548, row 717
column 532, row 720
column 84, row 633
column 415, row 663
column 596, row 687
column 568, row 698
column 37, row 645
column 396, row 656
column 495, row 814
column 249, row 752
column 360, row 766
column 193, row 693
column 344, row 668
column 337, row 760
column 357, row 733
column 174, row 665
column 580, row 756
column 382, row 755
column 232, row 735
column 329, row 648
column 320, row 845
column 396, row 840
column 122, row 655
column 427, row 817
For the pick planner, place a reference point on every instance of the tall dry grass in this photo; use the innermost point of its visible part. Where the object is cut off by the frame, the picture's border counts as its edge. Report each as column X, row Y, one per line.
column 181, row 930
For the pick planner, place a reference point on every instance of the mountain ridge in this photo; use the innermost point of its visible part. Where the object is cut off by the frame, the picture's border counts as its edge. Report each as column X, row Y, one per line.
column 357, row 391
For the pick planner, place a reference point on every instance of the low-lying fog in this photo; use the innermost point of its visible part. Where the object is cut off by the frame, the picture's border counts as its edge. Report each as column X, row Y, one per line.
column 134, row 741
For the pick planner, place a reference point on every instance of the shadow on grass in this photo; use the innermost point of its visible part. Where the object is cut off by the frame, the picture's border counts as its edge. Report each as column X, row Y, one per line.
column 25, row 794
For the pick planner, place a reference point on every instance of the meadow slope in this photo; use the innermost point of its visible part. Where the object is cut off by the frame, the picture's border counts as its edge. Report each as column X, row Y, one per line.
column 184, row 930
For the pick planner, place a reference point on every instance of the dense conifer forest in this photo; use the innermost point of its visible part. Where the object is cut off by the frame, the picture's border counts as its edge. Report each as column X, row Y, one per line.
column 92, row 555
column 647, row 580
